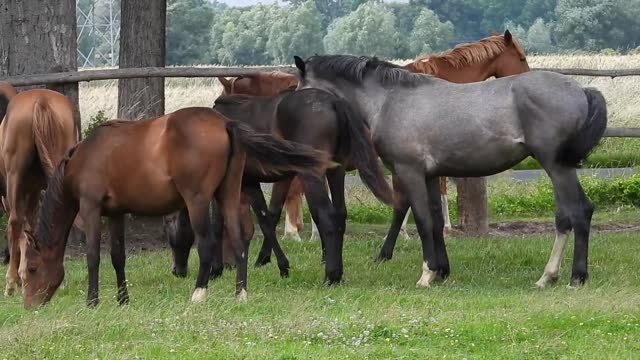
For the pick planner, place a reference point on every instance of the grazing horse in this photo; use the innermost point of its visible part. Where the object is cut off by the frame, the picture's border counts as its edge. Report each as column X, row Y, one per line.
column 271, row 84
column 38, row 128
column 153, row 167
column 495, row 56
column 7, row 92
column 424, row 127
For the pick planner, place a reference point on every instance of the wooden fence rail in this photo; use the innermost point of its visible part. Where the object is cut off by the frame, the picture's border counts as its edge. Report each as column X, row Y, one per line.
column 191, row 72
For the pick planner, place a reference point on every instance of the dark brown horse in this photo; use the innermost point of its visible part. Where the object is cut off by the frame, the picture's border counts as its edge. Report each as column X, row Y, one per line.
column 271, row 84
column 38, row 128
column 153, row 167
column 325, row 122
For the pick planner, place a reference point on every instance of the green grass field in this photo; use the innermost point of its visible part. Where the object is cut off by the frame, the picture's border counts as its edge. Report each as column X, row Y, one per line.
column 488, row 308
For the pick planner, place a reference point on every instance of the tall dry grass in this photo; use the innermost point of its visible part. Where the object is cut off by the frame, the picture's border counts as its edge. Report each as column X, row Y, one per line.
column 622, row 94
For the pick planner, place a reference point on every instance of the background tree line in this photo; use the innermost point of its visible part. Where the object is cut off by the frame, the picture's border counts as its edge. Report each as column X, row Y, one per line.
column 210, row 32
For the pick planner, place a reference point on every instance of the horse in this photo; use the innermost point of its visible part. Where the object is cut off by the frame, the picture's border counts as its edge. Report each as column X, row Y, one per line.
column 424, row 127
column 495, row 56
column 36, row 131
column 7, row 92
column 324, row 122
column 153, row 167
column 270, row 84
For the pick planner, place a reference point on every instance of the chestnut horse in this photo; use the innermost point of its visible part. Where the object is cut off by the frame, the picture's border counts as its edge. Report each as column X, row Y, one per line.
column 153, row 167
column 270, row 84
column 495, row 56
column 38, row 128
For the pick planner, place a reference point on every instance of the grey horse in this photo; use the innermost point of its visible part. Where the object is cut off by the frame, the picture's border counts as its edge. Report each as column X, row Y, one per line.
column 424, row 127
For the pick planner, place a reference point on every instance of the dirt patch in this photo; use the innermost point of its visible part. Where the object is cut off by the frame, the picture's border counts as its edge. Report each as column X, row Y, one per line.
column 529, row 227
column 141, row 234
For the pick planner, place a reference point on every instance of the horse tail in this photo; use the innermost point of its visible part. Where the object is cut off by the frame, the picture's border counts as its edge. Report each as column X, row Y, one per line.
column 578, row 146
column 276, row 156
column 361, row 151
column 47, row 132
column 7, row 92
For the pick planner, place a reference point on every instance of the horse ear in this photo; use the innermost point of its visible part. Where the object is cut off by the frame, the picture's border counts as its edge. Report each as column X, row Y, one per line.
column 299, row 63
column 507, row 37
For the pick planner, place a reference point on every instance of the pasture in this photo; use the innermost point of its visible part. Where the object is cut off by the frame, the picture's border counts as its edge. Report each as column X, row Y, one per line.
column 488, row 308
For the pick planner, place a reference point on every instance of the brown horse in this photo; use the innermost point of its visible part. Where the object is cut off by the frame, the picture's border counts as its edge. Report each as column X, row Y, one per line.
column 270, row 84
column 153, row 167
column 38, row 128
column 495, row 56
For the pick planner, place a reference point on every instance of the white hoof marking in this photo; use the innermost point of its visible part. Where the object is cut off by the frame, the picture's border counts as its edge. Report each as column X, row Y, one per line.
column 242, row 296
column 199, row 295
column 427, row 277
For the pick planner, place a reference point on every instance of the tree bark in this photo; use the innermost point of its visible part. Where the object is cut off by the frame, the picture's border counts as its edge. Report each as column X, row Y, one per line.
column 472, row 205
column 39, row 36
column 142, row 44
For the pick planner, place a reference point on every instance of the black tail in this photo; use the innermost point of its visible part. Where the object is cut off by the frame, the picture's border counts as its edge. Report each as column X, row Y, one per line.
column 277, row 156
column 362, row 152
column 578, row 146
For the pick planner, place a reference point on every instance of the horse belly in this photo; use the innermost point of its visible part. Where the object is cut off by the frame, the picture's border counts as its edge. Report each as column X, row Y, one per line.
column 143, row 196
column 482, row 159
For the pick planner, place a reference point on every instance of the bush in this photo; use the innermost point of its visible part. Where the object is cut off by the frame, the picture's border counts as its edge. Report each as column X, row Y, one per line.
column 96, row 120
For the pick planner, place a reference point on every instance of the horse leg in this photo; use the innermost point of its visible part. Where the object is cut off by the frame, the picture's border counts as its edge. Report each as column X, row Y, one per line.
column 198, row 208
column 230, row 207
column 217, row 231
column 574, row 210
column 335, row 179
column 118, row 256
column 323, row 213
column 90, row 213
column 293, row 213
column 414, row 179
column 315, row 234
column 438, row 226
column 445, row 204
column 178, row 229
column 267, row 225
column 399, row 211
column 15, row 227
column 278, row 196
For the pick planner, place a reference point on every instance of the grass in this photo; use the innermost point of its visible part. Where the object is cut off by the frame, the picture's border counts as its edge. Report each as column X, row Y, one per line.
column 486, row 309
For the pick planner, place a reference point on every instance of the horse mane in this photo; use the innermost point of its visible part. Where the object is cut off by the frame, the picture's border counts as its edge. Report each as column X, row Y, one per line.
column 461, row 55
column 53, row 202
column 354, row 69
column 235, row 99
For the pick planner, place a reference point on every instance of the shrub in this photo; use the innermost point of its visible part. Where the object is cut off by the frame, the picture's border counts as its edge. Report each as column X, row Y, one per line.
column 96, row 120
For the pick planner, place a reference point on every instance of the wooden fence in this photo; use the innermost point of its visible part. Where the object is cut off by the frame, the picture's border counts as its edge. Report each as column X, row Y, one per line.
column 194, row 72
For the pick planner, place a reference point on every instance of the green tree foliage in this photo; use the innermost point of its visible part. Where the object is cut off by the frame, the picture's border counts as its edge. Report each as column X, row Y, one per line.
column 596, row 24
column 300, row 33
column 429, row 34
column 539, row 37
column 370, row 30
column 188, row 31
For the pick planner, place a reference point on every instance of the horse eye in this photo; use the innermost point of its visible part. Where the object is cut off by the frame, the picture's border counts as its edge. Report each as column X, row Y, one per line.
column 32, row 269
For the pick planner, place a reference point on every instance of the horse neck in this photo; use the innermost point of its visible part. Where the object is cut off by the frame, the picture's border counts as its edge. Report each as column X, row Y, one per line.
column 60, row 215
column 468, row 73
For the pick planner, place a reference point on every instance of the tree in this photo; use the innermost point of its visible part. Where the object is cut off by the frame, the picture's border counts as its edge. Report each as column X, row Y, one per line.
column 142, row 43
column 331, row 9
column 299, row 34
column 38, row 37
column 430, row 34
column 188, row 34
column 244, row 42
column 593, row 24
column 370, row 30
column 539, row 37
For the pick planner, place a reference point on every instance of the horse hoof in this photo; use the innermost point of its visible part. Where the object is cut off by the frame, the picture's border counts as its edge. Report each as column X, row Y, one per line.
column 181, row 273
column 546, row 280
column 123, row 299
column 284, row 273
column 382, row 257
column 9, row 290
column 92, row 303
column 242, row 296
column 428, row 276
column 199, row 295
column 333, row 277
column 578, row 280
column 262, row 261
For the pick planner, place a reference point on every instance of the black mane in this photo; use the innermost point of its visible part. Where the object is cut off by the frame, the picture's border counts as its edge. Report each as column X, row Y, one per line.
column 354, row 69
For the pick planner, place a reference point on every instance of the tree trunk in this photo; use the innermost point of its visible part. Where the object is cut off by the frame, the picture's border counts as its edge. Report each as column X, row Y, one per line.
column 38, row 37
column 142, row 43
column 472, row 205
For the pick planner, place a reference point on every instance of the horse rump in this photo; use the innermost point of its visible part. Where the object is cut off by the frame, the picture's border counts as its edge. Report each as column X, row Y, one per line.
column 579, row 145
